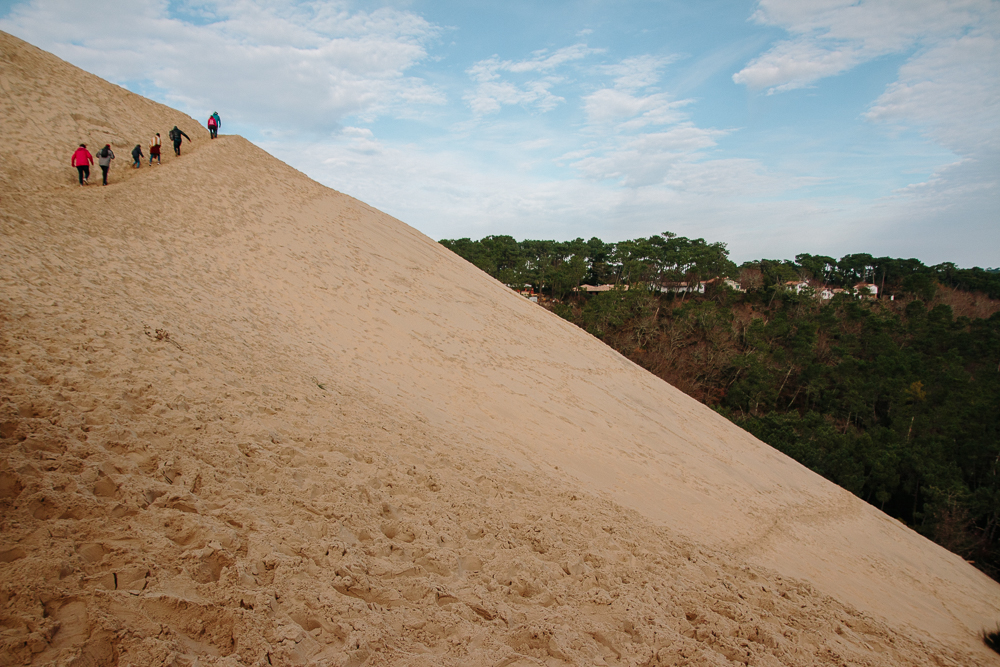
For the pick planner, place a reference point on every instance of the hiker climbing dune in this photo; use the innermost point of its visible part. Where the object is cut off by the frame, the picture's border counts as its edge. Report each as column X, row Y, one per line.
column 104, row 158
column 154, row 148
column 175, row 136
column 82, row 159
column 214, row 123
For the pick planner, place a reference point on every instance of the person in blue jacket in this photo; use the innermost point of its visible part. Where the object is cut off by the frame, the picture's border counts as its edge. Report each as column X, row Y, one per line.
column 214, row 123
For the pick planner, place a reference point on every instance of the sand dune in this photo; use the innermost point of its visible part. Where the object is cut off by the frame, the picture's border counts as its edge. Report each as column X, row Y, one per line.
column 247, row 419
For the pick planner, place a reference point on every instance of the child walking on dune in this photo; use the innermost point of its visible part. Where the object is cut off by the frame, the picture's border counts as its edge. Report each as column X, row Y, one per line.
column 82, row 159
column 154, row 149
column 137, row 156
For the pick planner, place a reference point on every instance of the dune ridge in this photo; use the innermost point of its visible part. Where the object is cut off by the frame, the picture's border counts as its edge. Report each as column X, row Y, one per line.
column 247, row 419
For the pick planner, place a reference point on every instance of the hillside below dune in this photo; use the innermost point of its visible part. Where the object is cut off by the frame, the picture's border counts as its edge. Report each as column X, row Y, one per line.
column 247, row 419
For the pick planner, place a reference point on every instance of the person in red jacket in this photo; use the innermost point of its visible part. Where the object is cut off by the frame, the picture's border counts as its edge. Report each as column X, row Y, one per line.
column 82, row 159
column 154, row 149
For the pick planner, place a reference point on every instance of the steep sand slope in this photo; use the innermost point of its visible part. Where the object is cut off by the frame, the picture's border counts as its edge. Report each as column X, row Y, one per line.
column 248, row 420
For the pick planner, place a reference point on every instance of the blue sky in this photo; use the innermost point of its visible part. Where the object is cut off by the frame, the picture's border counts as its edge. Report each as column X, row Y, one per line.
column 777, row 127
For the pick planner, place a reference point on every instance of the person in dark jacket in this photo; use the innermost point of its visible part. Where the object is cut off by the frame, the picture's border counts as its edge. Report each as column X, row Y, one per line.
column 104, row 158
column 82, row 159
column 137, row 156
column 175, row 136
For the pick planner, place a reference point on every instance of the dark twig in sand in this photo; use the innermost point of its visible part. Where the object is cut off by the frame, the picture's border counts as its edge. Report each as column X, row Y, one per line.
column 160, row 334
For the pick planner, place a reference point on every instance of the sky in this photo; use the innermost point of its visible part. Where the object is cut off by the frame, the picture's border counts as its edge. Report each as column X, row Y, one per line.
column 777, row 127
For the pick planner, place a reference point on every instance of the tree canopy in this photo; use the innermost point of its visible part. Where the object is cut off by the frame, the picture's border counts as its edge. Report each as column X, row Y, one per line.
column 558, row 267
column 897, row 401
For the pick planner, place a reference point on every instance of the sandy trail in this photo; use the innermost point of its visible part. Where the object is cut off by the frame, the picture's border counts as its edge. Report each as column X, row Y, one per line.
column 347, row 446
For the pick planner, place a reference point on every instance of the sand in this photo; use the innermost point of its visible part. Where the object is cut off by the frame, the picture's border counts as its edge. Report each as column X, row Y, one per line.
column 249, row 420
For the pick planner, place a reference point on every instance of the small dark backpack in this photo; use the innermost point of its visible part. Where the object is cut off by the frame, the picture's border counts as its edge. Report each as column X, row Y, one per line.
column 175, row 135
column 104, row 151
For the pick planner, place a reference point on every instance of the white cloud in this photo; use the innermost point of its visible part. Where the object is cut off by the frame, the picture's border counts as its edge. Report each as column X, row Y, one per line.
column 624, row 101
column 544, row 61
column 642, row 139
column 444, row 192
column 639, row 72
column 795, row 64
column 732, row 179
column 829, row 37
column 649, row 158
column 492, row 91
column 491, row 96
column 881, row 25
column 610, row 105
column 247, row 58
column 952, row 91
